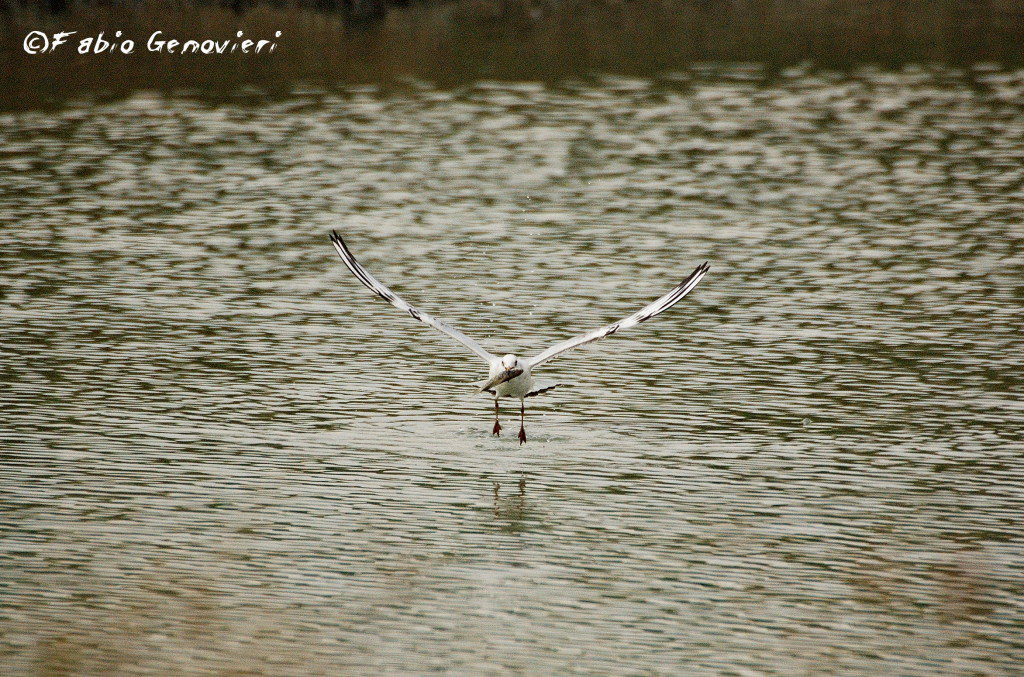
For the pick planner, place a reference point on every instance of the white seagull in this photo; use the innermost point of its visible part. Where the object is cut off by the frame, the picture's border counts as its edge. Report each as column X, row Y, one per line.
column 512, row 376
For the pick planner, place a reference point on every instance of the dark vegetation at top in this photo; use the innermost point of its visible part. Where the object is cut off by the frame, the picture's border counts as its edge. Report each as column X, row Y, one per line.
column 328, row 43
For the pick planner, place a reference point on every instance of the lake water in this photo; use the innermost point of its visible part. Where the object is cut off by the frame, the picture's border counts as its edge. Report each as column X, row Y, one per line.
column 222, row 454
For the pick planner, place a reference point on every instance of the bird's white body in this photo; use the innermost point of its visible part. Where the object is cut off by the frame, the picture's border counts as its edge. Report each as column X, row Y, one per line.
column 518, row 387
column 511, row 376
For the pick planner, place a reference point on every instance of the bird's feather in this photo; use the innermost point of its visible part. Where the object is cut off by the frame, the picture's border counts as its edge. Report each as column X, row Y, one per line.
column 647, row 312
column 543, row 387
column 378, row 288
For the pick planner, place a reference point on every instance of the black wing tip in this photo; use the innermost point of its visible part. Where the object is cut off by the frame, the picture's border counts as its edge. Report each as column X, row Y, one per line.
column 699, row 271
column 339, row 243
column 702, row 269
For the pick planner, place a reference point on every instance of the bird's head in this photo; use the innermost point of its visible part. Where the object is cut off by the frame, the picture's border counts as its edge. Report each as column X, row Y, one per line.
column 511, row 367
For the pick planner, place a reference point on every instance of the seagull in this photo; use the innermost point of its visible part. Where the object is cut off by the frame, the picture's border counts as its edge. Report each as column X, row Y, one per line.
column 510, row 375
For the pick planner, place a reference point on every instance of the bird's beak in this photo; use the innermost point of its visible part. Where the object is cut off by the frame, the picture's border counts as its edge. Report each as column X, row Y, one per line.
column 506, row 375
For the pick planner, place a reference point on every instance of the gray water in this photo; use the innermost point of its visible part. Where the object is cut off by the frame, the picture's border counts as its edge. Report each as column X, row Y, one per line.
column 222, row 454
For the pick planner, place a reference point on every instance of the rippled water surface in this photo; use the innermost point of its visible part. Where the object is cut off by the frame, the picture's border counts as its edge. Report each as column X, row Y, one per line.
column 221, row 453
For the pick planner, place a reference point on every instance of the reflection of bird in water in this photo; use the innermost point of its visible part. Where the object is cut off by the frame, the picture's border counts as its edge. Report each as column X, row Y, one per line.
column 511, row 507
column 512, row 376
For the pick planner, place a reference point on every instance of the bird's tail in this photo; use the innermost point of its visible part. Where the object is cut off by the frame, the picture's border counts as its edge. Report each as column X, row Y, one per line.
column 540, row 386
column 544, row 386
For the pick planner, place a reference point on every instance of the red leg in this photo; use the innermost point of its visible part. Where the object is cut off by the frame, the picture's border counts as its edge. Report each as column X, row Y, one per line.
column 497, row 426
column 522, row 422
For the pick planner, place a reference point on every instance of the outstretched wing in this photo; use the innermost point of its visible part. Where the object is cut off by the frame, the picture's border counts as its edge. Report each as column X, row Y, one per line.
column 374, row 285
column 646, row 313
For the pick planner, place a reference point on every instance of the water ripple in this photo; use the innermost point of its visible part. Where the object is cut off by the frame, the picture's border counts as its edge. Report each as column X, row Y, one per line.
column 812, row 465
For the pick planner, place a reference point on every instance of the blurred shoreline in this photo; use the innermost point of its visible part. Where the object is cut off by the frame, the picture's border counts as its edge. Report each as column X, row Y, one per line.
column 456, row 43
